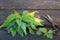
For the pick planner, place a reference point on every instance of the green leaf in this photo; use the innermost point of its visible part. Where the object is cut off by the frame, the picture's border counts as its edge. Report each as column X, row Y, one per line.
column 39, row 33
column 31, row 31
column 50, row 31
column 50, row 36
column 39, row 21
column 13, row 32
column 12, row 27
column 20, row 31
column 44, row 30
column 12, row 23
column 32, row 13
column 18, row 21
column 23, row 26
column 25, row 13
column 27, row 18
column 8, row 20
column 16, row 14
column 33, row 26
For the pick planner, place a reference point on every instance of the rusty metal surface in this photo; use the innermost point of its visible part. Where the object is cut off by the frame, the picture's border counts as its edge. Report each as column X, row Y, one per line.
column 29, row 4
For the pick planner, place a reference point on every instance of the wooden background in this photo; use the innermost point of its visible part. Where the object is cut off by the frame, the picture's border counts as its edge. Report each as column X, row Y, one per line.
column 51, row 7
column 29, row 4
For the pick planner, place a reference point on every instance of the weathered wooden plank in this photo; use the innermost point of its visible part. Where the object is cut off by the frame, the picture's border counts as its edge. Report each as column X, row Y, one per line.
column 52, row 13
column 29, row 4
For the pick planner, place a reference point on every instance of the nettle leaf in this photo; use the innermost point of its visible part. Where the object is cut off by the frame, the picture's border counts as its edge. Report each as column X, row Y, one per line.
column 12, row 27
column 39, row 33
column 47, row 33
column 33, row 13
column 50, row 36
column 8, row 20
column 33, row 26
column 44, row 30
column 50, row 31
column 12, row 23
column 16, row 23
column 24, row 26
column 17, row 14
column 13, row 32
column 20, row 31
column 25, row 13
column 31, row 31
column 27, row 18
column 39, row 21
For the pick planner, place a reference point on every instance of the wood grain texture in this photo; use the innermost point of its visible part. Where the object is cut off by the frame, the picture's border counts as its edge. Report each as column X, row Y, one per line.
column 29, row 4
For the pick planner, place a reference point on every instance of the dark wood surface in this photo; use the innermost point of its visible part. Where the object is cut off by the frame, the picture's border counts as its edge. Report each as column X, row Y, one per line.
column 29, row 4
column 51, row 7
